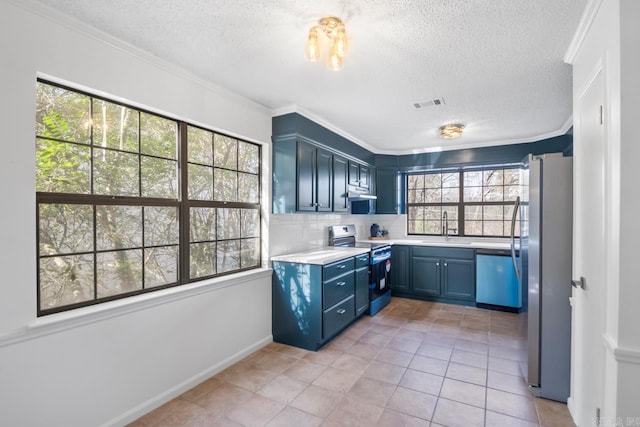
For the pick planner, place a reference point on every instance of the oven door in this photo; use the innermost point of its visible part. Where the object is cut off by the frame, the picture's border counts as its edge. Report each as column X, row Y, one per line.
column 380, row 280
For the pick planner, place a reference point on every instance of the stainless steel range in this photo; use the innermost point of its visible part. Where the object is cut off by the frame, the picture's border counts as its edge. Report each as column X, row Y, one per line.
column 379, row 264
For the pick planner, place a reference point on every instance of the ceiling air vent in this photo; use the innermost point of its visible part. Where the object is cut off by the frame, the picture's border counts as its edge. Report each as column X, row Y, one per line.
column 435, row 102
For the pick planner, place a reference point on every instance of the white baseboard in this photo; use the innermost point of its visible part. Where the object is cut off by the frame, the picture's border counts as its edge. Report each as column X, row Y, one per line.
column 188, row 384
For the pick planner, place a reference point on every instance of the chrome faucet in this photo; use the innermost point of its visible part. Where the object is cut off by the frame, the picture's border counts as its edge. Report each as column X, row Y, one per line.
column 445, row 226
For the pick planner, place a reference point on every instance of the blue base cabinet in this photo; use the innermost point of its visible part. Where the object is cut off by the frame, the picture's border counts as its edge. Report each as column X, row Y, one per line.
column 435, row 273
column 312, row 303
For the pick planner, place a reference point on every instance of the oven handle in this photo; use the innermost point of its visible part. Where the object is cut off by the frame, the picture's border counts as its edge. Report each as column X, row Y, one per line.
column 376, row 259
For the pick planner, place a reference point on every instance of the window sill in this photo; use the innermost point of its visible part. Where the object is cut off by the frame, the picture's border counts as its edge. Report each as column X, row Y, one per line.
column 58, row 322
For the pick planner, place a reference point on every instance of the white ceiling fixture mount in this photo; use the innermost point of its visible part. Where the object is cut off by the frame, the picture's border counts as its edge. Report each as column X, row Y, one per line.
column 334, row 29
column 451, row 131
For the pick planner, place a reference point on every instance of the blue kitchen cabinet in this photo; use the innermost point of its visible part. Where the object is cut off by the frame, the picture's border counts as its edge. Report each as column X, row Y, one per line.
column 400, row 270
column 314, row 180
column 340, row 189
column 434, row 273
column 312, row 303
column 386, row 190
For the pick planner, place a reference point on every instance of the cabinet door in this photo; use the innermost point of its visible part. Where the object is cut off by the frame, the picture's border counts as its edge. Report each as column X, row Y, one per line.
column 324, row 178
column 354, row 174
column 306, row 177
column 400, row 278
column 459, row 279
column 362, row 290
column 426, row 275
column 365, row 176
column 340, row 178
column 386, row 192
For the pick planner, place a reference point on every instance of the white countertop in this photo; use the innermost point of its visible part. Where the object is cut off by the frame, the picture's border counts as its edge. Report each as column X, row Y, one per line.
column 320, row 256
column 329, row 254
column 451, row 243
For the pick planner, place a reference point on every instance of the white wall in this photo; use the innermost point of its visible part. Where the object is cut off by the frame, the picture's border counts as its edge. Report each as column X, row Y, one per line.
column 110, row 363
column 611, row 38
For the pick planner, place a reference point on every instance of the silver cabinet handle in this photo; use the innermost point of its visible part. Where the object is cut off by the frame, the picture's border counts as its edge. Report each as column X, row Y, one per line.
column 445, row 264
column 437, row 264
column 341, row 311
column 342, row 266
column 341, row 283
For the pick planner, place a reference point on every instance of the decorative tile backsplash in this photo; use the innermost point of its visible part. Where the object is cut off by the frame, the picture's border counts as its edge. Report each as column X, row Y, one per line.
column 290, row 233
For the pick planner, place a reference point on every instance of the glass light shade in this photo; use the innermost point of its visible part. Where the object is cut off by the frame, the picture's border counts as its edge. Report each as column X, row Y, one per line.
column 340, row 39
column 451, row 131
column 335, row 61
column 312, row 51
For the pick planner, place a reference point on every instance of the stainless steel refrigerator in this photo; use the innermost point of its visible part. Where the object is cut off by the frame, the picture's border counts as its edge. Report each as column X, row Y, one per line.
column 545, row 248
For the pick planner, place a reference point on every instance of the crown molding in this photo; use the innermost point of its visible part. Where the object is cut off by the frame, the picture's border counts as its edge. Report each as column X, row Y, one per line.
column 586, row 21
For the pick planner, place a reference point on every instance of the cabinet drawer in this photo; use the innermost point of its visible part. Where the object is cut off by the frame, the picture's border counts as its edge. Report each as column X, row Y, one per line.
column 337, row 268
column 334, row 291
column 362, row 260
column 440, row 252
column 338, row 317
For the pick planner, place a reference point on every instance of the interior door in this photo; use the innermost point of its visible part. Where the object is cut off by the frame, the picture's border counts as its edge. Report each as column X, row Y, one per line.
column 588, row 315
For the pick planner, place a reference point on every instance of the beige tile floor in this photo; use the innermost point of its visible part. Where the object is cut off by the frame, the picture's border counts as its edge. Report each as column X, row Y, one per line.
column 416, row 363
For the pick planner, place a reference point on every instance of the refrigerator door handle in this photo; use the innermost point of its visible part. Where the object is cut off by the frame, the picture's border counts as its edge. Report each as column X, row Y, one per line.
column 516, row 206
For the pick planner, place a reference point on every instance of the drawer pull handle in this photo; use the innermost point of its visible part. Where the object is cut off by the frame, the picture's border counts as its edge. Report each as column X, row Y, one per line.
column 437, row 263
column 341, row 311
column 342, row 266
column 341, row 283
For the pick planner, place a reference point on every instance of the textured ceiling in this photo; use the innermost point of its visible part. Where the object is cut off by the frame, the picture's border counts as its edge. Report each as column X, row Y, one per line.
column 498, row 64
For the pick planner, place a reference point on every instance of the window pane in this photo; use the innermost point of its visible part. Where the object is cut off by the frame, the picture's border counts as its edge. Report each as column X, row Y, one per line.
column 202, row 259
column 248, row 188
column 200, row 146
column 62, row 114
column 511, row 192
column 158, row 136
column 115, row 173
column 202, row 224
column 433, row 213
column 493, row 177
column 119, row 272
column 62, row 167
column 473, row 213
column 225, row 185
column 492, row 228
column 433, row 180
column 250, row 222
column 493, row 194
column 115, row 126
column 160, row 225
column 225, row 152
column 511, row 176
column 473, row 179
column 450, row 195
column 433, row 195
column 472, row 194
column 432, row 227
column 65, row 228
column 414, row 227
column 159, row 178
column 228, row 224
column 450, row 180
column 65, row 280
column 250, row 256
column 118, row 227
column 473, row 228
column 248, row 157
column 200, row 182
column 228, row 255
column 160, row 266
column 415, row 182
column 416, row 196
column 493, row 213
column 452, row 214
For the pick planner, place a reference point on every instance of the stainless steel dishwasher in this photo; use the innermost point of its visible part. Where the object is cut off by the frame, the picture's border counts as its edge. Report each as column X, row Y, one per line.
column 496, row 281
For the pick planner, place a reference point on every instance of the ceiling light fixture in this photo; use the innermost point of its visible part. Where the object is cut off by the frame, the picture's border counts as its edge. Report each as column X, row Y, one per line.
column 335, row 30
column 450, row 131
